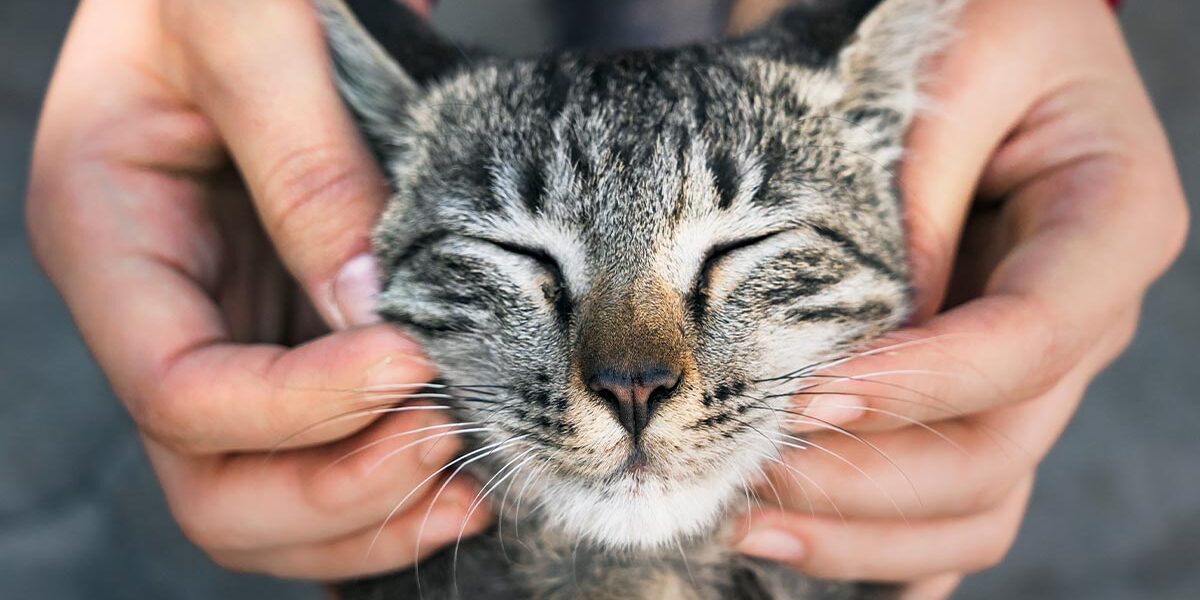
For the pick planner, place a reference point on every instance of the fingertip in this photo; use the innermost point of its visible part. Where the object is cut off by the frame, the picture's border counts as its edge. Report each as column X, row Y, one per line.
column 354, row 293
column 773, row 543
column 402, row 365
column 828, row 411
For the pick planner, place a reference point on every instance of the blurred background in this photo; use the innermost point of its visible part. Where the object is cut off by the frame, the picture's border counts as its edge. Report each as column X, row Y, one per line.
column 1116, row 514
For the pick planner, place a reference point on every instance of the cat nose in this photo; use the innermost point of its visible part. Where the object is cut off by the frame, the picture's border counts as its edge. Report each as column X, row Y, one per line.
column 633, row 396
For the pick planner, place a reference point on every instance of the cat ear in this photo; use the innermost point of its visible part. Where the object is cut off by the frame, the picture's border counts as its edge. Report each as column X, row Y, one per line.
column 383, row 54
column 875, row 48
column 880, row 63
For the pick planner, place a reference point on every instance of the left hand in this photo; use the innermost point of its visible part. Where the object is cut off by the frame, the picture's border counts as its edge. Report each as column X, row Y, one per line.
column 1038, row 114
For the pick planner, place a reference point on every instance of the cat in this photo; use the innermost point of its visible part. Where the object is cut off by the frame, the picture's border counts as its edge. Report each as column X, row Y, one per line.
column 623, row 264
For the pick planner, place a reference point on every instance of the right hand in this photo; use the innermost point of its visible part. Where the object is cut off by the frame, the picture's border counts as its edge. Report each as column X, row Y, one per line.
column 188, row 278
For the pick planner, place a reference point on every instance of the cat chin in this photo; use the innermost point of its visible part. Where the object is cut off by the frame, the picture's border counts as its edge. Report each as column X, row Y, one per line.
column 641, row 514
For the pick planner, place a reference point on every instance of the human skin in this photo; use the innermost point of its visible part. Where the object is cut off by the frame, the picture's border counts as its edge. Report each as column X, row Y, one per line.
column 161, row 248
column 1040, row 129
column 203, row 203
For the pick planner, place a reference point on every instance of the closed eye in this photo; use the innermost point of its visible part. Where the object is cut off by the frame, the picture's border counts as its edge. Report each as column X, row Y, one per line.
column 556, row 291
column 698, row 299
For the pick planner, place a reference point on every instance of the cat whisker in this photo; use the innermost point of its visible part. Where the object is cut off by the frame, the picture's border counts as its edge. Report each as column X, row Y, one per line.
column 810, row 480
column 501, row 514
column 943, row 405
column 846, row 358
column 470, row 457
column 895, row 415
column 436, row 436
column 808, row 391
column 521, row 497
column 778, row 497
column 354, row 414
column 857, row 438
column 391, row 437
column 686, row 565
column 944, row 408
column 486, row 489
column 810, row 444
column 388, row 396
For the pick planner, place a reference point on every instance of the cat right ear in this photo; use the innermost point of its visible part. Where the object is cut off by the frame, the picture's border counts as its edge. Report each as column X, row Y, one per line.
column 383, row 55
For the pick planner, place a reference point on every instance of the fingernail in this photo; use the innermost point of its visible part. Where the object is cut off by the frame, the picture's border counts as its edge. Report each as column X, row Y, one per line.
column 399, row 375
column 772, row 544
column 355, row 292
column 825, row 410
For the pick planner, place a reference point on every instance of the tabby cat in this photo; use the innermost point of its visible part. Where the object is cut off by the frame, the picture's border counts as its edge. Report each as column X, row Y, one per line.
column 621, row 263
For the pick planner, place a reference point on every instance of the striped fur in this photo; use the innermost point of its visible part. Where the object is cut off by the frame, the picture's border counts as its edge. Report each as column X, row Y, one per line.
column 730, row 208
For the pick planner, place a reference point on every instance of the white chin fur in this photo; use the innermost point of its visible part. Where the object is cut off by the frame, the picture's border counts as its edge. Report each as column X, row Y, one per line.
column 642, row 514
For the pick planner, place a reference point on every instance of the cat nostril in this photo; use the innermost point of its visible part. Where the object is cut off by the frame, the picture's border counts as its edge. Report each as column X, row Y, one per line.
column 634, row 396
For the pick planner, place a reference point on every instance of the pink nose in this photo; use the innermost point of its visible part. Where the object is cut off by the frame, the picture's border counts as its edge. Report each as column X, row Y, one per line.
column 634, row 396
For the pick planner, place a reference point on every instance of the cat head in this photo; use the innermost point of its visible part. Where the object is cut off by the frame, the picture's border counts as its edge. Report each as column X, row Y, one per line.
column 627, row 257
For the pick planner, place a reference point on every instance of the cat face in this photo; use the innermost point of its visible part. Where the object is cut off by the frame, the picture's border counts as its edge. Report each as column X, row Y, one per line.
column 624, row 257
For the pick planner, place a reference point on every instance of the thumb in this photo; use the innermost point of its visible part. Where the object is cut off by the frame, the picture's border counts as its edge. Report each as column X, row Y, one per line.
column 260, row 71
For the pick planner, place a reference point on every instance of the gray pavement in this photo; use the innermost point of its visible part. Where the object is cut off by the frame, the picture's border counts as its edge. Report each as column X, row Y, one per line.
column 1116, row 514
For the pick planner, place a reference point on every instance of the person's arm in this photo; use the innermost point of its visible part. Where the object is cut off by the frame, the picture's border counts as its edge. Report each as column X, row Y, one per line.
column 184, row 146
column 1041, row 140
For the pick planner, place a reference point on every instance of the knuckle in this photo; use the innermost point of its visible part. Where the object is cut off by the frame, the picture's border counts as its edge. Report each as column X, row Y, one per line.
column 196, row 524
column 1003, row 525
column 170, row 418
column 337, row 488
column 333, row 491
column 986, row 496
column 299, row 188
column 162, row 416
column 51, row 214
column 210, row 534
column 993, row 473
column 929, row 249
column 992, row 552
column 1176, row 229
column 1042, row 339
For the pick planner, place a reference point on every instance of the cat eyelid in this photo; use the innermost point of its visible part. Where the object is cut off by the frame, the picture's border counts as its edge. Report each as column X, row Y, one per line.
column 698, row 297
column 722, row 250
column 538, row 255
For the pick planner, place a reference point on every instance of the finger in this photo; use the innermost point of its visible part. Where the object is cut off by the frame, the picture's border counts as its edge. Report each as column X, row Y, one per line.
column 935, row 588
column 271, row 397
column 864, row 550
column 426, row 528
column 950, row 468
column 1018, row 120
column 954, row 468
column 164, row 346
column 949, row 145
column 985, row 354
column 1080, row 243
column 254, row 502
column 269, row 92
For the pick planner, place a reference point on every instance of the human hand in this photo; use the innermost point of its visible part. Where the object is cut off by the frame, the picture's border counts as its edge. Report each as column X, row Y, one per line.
column 1037, row 113
column 188, row 300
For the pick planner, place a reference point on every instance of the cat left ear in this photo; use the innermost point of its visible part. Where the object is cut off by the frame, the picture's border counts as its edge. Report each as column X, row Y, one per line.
column 880, row 64
column 875, row 47
column 383, row 56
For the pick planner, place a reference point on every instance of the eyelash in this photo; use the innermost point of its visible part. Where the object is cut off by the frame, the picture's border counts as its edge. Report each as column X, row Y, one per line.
column 698, row 299
column 558, row 294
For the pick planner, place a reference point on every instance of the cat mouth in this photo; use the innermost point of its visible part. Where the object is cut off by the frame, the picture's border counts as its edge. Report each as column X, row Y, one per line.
column 637, row 469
